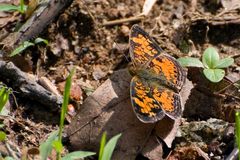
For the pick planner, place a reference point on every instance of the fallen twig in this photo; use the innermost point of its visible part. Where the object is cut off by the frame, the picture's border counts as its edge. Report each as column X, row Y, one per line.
column 233, row 155
column 42, row 16
column 26, row 86
column 124, row 20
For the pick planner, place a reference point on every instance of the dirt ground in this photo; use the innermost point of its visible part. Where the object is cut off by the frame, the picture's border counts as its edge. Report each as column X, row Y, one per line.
column 81, row 37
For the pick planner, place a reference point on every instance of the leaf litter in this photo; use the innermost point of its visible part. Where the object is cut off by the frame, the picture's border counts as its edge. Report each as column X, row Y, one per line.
column 76, row 40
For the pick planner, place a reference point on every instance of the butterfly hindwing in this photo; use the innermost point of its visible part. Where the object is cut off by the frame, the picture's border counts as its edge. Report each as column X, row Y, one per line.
column 145, row 106
column 169, row 101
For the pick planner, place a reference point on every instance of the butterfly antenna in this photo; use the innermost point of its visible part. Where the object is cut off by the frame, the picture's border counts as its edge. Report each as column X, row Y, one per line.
column 122, row 49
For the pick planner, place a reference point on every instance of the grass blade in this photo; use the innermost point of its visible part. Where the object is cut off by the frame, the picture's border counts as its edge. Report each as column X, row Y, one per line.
column 39, row 40
column 21, row 48
column 77, row 155
column 46, row 147
column 4, row 95
column 8, row 7
column 237, row 121
column 102, row 145
column 108, row 149
column 65, row 102
column 3, row 136
column 64, row 107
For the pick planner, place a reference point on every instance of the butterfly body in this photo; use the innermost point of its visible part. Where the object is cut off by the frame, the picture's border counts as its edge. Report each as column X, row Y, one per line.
column 157, row 79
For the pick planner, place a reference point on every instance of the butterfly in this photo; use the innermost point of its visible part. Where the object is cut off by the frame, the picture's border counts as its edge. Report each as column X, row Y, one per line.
column 157, row 79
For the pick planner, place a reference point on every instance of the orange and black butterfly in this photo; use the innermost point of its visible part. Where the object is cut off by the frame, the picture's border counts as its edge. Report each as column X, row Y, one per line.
column 157, row 79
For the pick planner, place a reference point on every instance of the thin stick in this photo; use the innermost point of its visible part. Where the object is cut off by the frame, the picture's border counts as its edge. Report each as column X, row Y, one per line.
column 120, row 21
column 236, row 56
column 220, row 91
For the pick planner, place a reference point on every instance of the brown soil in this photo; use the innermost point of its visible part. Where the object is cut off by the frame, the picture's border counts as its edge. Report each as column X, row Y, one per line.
column 78, row 39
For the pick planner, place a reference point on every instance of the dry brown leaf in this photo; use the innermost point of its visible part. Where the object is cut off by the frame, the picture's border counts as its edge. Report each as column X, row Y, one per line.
column 109, row 109
column 230, row 4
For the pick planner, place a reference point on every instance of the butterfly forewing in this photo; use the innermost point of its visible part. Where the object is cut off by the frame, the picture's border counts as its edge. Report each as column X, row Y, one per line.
column 168, row 69
column 142, row 46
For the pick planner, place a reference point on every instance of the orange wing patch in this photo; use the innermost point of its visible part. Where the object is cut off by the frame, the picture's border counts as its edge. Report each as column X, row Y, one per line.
column 145, row 106
column 143, row 100
column 142, row 48
column 165, row 99
column 166, row 67
column 169, row 101
column 158, row 79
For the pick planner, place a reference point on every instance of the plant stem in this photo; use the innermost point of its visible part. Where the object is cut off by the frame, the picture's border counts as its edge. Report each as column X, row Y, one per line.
column 237, row 123
column 22, row 6
column 64, row 108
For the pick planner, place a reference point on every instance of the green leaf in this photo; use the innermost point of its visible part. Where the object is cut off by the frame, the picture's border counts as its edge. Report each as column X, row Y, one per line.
column 64, row 106
column 237, row 134
column 57, row 145
column 46, row 147
column 8, row 7
column 4, row 112
column 224, row 63
column 12, row 8
column 9, row 158
column 210, row 57
column 190, row 62
column 108, row 149
column 2, row 136
column 77, row 155
column 21, row 8
column 39, row 40
column 65, row 102
column 102, row 145
column 214, row 75
column 4, row 95
column 1, row 125
column 21, row 48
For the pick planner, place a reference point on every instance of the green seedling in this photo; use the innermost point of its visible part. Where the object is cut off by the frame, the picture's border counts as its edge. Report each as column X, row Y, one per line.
column 11, row 8
column 237, row 135
column 3, row 136
column 55, row 139
column 27, row 44
column 4, row 95
column 106, row 151
column 211, row 63
column 46, row 147
column 66, row 94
